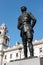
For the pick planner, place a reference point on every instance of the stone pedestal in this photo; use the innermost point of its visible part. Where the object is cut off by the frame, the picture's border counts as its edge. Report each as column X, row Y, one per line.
column 29, row 61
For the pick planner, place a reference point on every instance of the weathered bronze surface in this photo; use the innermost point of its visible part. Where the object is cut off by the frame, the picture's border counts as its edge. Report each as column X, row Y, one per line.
column 26, row 22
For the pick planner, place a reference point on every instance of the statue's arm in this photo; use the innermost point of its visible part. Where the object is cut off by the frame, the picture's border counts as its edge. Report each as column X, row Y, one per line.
column 19, row 23
column 33, row 20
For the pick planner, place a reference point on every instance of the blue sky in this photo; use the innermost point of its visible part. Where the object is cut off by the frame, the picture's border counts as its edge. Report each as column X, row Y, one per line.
column 10, row 11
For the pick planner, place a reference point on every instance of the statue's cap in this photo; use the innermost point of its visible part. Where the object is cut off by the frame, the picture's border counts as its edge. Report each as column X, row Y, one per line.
column 23, row 8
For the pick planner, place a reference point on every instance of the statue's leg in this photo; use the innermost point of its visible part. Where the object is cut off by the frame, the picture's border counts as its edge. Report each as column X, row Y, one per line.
column 25, row 49
column 29, row 39
column 31, row 48
column 25, row 45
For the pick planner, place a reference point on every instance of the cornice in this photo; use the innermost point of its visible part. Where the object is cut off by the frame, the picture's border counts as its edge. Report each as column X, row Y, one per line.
column 13, row 48
column 37, row 42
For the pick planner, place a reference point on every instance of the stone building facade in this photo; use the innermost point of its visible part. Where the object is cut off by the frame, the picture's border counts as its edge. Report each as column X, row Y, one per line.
column 10, row 54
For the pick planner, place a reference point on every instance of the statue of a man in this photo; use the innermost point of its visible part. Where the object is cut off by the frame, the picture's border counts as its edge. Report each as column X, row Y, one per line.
column 26, row 22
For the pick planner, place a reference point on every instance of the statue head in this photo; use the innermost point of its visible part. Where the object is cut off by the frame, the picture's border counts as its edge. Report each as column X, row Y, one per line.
column 23, row 8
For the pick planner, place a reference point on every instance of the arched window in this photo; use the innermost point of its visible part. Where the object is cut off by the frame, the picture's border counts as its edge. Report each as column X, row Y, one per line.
column 16, row 54
column 40, row 49
column 10, row 55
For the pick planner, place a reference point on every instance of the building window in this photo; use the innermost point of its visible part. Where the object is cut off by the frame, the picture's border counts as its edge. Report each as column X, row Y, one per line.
column 40, row 49
column 0, row 32
column 6, row 41
column 16, row 54
column 10, row 55
column 4, row 63
column 5, row 56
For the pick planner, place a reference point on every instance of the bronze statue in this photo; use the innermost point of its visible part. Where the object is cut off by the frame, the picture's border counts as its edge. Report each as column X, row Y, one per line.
column 26, row 22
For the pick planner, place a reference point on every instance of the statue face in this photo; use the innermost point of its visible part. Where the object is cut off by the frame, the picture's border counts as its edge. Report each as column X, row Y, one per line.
column 23, row 8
